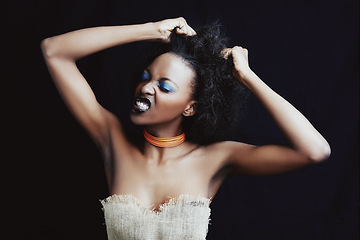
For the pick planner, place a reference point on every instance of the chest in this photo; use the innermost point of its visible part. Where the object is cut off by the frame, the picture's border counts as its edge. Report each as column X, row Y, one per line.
column 172, row 178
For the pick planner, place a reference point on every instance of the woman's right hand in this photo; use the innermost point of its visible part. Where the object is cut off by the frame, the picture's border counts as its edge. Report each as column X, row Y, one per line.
column 165, row 27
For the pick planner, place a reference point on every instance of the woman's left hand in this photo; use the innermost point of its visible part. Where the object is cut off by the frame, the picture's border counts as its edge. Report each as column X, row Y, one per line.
column 240, row 60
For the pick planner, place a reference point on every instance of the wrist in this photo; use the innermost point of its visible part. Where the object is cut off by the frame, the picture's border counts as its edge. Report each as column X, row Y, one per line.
column 243, row 74
column 138, row 32
column 160, row 31
column 247, row 78
column 150, row 31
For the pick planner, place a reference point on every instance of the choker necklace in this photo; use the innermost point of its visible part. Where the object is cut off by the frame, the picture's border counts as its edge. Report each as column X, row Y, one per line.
column 164, row 142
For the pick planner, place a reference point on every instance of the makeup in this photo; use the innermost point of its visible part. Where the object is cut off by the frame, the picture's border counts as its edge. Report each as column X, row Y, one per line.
column 166, row 85
column 145, row 75
column 141, row 105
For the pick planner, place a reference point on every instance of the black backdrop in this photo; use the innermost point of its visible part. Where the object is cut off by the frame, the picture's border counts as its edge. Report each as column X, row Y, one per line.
column 305, row 50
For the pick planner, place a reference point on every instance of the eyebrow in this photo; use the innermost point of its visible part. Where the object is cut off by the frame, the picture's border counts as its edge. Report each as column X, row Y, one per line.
column 163, row 78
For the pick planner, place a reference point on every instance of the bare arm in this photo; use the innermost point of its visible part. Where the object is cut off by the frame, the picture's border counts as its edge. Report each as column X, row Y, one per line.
column 80, row 43
column 308, row 145
column 61, row 52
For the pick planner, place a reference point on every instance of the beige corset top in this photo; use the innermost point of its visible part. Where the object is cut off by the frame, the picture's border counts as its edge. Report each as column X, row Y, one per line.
column 184, row 217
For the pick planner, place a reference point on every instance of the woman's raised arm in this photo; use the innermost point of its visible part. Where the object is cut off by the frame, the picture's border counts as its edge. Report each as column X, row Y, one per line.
column 61, row 52
column 308, row 145
column 80, row 43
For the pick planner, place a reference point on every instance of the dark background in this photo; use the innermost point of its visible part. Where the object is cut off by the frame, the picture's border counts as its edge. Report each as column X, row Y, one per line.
column 307, row 51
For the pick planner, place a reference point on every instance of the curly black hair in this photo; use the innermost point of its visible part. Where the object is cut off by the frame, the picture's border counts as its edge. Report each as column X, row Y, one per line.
column 220, row 97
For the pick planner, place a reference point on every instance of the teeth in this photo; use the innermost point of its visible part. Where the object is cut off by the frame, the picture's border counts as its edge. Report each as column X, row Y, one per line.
column 142, row 105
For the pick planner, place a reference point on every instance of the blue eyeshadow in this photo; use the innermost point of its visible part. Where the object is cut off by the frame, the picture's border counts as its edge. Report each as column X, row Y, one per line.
column 145, row 76
column 166, row 87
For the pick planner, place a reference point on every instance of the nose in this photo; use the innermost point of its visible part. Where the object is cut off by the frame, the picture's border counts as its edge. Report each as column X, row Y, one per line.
column 148, row 88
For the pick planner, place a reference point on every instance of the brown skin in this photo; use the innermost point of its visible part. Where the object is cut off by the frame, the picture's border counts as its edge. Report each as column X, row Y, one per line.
column 166, row 107
column 154, row 174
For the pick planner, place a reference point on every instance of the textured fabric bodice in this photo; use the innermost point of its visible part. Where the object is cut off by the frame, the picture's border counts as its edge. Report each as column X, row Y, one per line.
column 184, row 217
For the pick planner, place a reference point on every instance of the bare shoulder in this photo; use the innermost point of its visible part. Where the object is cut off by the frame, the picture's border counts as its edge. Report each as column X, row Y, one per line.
column 218, row 155
column 218, row 164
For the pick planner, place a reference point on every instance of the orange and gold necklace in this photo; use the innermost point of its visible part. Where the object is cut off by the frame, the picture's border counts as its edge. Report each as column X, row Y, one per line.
column 164, row 142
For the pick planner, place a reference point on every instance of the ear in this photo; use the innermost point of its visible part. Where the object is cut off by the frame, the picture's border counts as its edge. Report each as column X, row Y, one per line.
column 190, row 109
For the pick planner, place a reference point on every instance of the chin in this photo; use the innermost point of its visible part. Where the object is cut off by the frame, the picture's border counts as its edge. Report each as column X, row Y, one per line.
column 151, row 118
column 138, row 119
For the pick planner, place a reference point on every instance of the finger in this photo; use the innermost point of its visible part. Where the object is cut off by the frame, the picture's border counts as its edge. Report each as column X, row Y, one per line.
column 246, row 53
column 240, row 50
column 182, row 23
column 237, row 48
column 226, row 52
column 191, row 31
column 185, row 28
column 180, row 29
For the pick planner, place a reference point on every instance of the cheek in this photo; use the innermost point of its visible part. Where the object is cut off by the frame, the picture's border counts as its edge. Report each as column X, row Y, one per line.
column 172, row 105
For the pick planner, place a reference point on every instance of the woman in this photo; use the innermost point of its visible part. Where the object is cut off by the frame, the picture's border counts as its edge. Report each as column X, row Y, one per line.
column 161, row 189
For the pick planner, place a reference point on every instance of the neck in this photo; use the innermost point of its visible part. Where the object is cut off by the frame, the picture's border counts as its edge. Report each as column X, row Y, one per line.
column 168, row 130
column 164, row 142
column 161, row 154
column 165, row 133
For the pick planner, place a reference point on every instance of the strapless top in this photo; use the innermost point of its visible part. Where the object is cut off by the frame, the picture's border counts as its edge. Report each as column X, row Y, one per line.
column 183, row 217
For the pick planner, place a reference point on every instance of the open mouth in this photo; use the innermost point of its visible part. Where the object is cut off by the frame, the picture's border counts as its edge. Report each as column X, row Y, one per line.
column 141, row 105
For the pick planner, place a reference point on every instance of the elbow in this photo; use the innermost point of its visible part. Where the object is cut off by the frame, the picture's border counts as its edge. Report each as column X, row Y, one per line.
column 321, row 153
column 47, row 48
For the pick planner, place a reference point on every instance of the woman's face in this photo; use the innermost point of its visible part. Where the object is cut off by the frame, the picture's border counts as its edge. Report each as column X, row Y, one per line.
column 164, row 93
